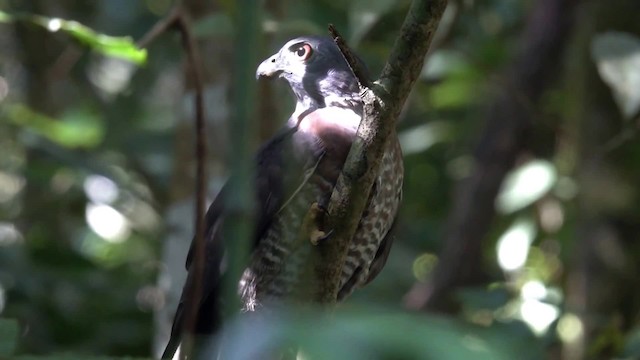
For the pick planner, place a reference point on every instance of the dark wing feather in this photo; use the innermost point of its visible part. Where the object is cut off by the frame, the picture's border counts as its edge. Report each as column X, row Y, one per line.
column 269, row 190
column 275, row 167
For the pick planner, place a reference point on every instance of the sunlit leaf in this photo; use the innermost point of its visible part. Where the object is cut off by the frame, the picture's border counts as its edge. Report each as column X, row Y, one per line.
column 538, row 315
column 4, row 17
column 452, row 93
column 513, row 246
column 442, row 63
column 423, row 265
column 459, row 81
column 617, row 56
column 120, row 47
column 525, row 185
column 422, row 137
column 8, row 336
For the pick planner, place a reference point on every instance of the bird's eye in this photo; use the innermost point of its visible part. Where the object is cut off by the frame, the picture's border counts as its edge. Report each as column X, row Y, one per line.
column 303, row 51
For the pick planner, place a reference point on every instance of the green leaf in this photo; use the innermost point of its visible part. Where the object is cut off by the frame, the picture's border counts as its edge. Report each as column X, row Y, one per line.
column 375, row 333
column 79, row 128
column 452, row 93
column 422, row 137
column 457, row 80
column 4, row 17
column 8, row 336
column 617, row 56
column 119, row 47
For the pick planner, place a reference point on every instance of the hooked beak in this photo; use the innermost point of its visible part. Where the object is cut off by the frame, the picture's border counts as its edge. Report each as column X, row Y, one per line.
column 269, row 68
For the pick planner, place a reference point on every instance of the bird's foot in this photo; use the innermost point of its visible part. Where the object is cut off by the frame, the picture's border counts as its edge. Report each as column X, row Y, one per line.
column 318, row 236
column 313, row 224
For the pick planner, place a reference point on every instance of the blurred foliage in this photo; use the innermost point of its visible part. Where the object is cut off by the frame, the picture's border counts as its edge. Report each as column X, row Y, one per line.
column 369, row 336
column 8, row 336
column 618, row 58
column 90, row 166
column 121, row 47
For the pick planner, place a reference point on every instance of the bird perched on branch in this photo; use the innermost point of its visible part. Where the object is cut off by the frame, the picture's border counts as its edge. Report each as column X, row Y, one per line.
column 296, row 171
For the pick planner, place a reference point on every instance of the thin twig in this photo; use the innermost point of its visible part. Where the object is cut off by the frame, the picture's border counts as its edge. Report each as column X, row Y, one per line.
column 160, row 28
column 178, row 18
column 193, row 57
column 627, row 134
column 354, row 64
column 65, row 62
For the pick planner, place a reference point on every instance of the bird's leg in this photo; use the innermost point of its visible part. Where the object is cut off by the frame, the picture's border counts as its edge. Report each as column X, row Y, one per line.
column 312, row 224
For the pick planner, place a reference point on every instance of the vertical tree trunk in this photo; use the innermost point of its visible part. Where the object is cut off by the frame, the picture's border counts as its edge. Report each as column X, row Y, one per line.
column 602, row 271
column 509, row 121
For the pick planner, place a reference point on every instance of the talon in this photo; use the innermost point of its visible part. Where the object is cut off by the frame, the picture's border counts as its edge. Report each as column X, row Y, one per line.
column 313, row 222
column 318, row 236
column 317, row 211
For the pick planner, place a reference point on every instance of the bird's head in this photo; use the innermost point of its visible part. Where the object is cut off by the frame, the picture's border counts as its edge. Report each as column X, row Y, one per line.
column 316, row 71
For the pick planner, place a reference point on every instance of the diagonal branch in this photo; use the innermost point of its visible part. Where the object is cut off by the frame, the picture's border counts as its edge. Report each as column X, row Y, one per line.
column 355, row 66
column 408, row 53
column 382, row 102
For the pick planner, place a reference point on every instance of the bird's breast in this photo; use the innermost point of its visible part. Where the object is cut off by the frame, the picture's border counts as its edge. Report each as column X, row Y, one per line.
column 332, row 131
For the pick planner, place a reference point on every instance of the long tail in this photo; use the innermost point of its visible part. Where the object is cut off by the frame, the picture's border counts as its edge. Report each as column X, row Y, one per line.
column 176, row 334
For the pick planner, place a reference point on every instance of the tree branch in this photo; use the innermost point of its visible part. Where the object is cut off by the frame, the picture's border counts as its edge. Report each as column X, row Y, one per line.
column 382, row 102
column 407, row 57
column 355, row 66
column 160, row 27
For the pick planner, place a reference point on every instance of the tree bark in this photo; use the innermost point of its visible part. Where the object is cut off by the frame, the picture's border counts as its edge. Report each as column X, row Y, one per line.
column 601, row 278
column 382, row 104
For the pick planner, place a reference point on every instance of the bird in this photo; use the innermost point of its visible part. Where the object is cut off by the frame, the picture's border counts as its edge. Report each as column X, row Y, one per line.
column 296, row 170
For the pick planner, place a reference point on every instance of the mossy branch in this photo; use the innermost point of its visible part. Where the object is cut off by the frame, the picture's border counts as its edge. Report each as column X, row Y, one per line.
column 382, row 100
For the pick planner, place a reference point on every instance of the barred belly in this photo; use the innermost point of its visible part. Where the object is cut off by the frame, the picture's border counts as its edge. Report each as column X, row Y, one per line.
column 281, row 256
